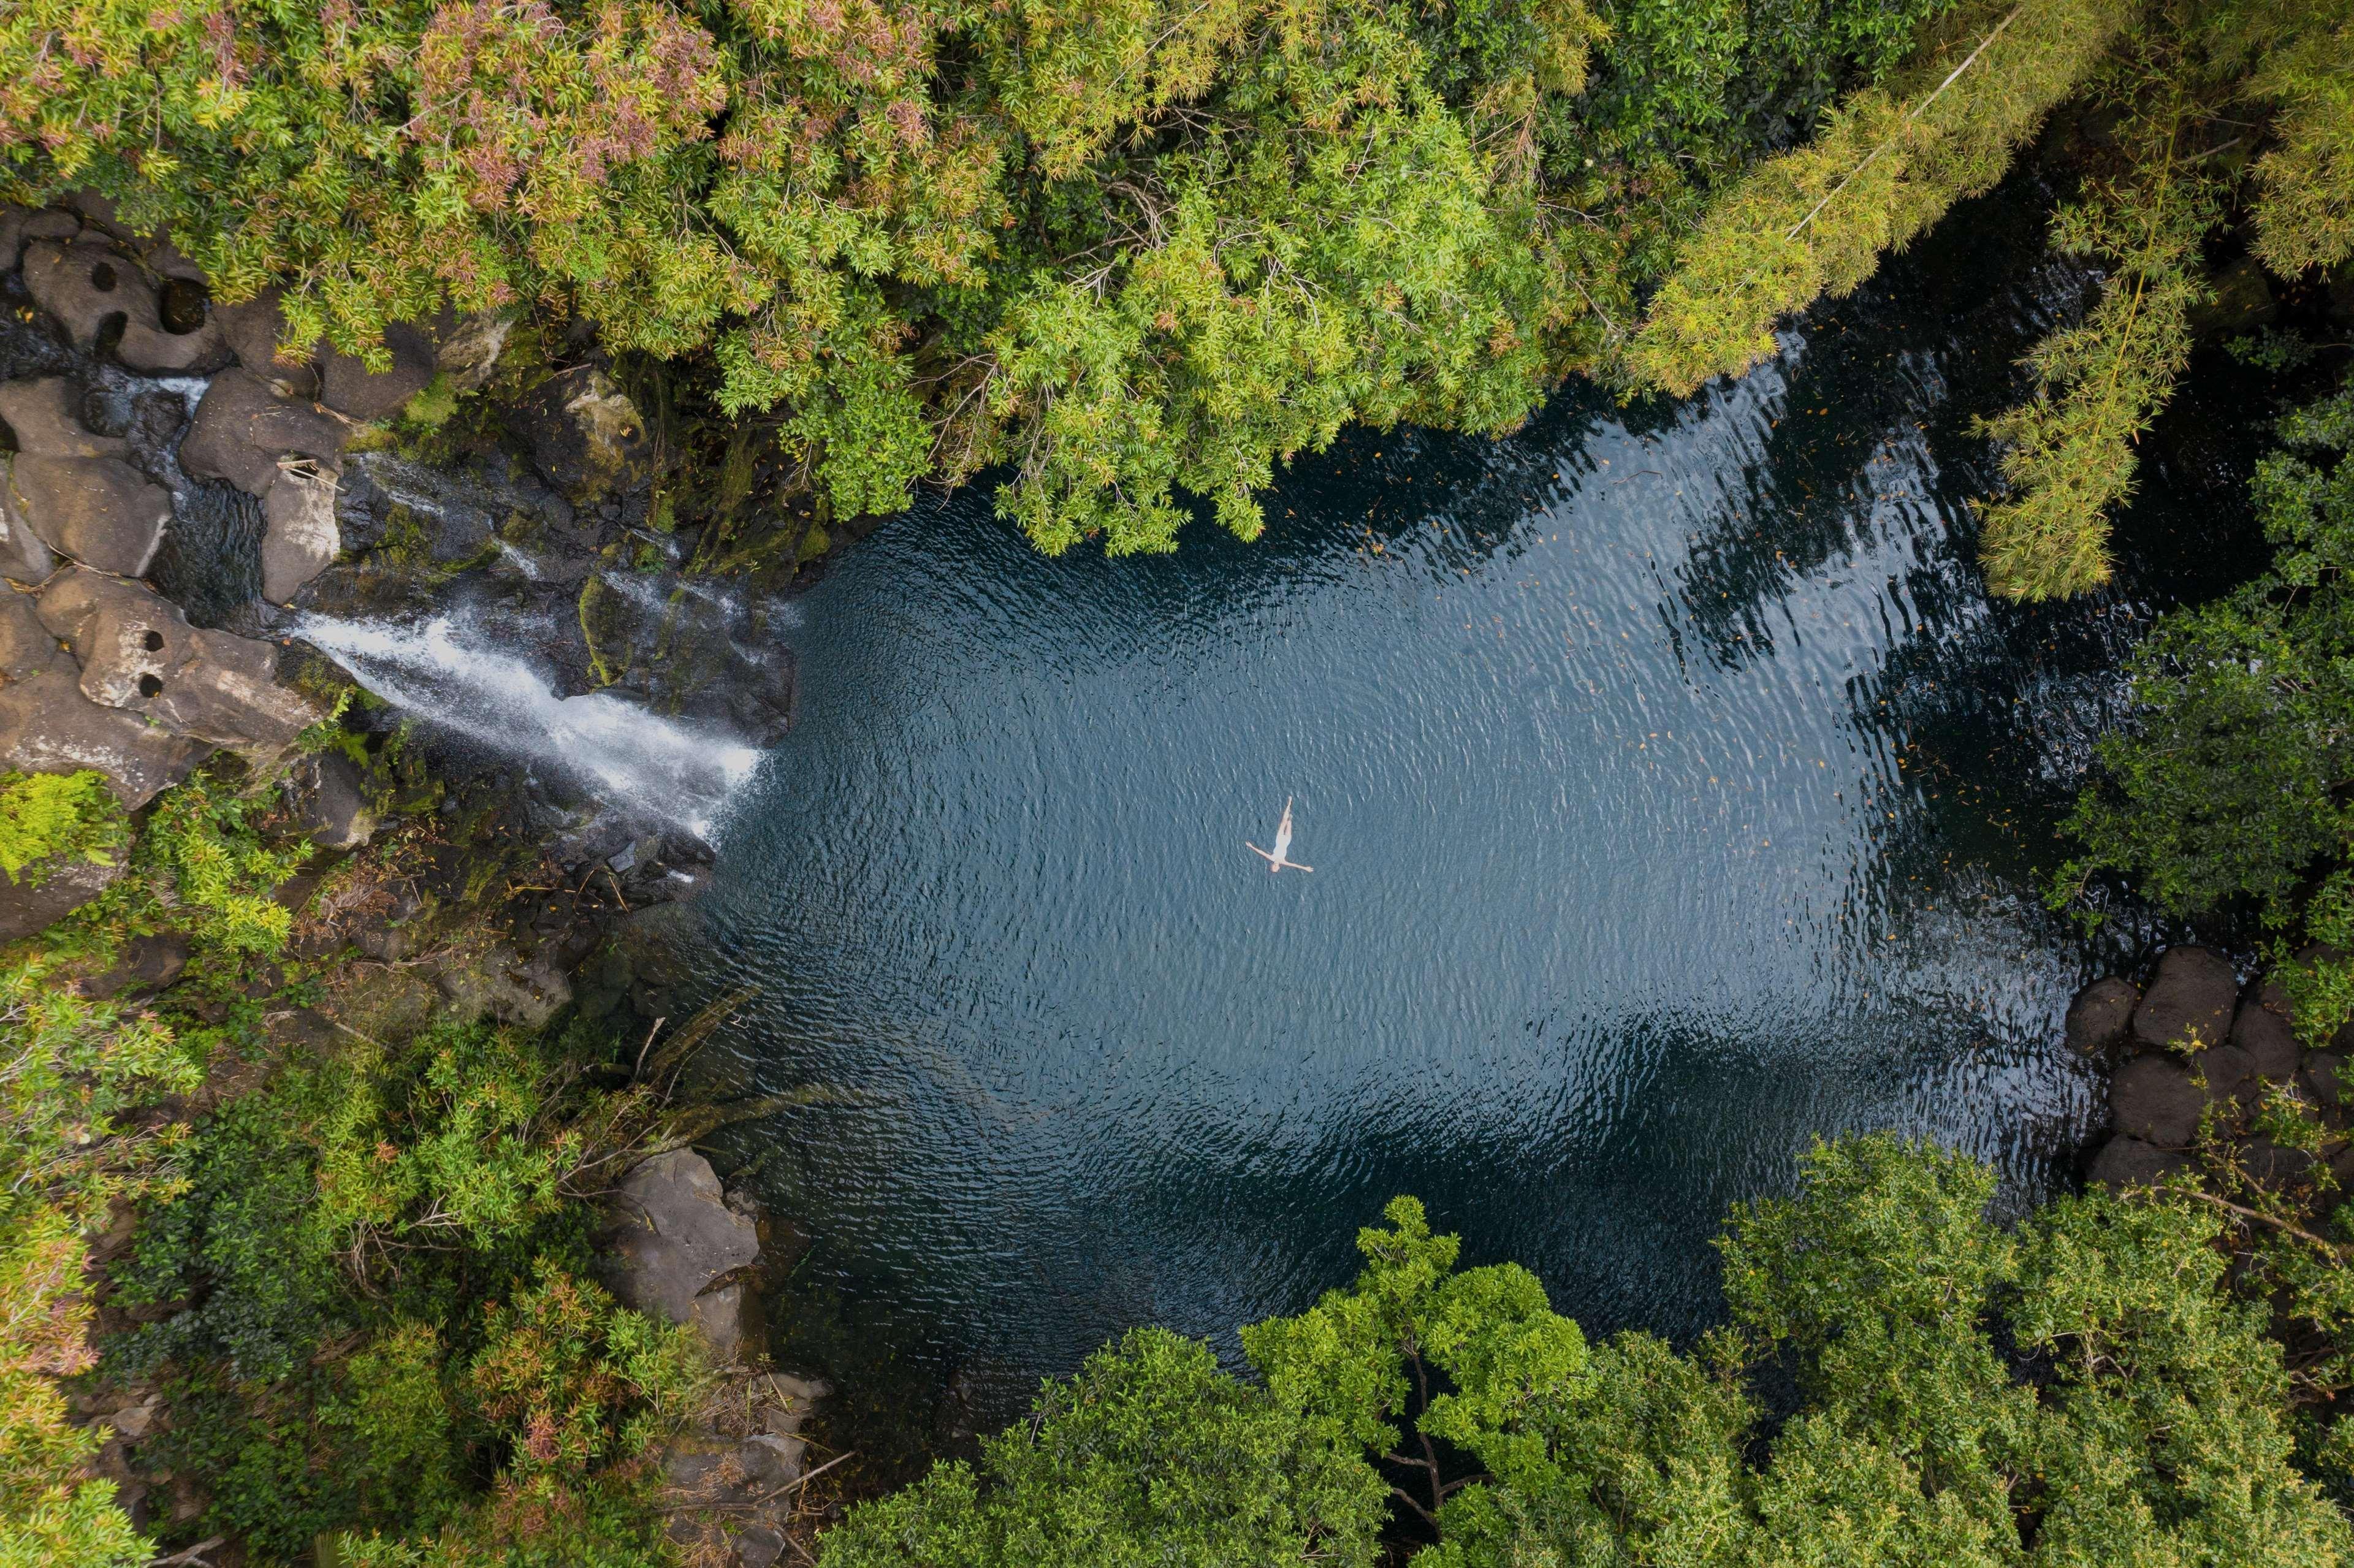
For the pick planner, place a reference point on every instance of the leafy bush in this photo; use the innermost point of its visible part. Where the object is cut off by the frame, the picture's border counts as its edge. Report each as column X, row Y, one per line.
column 47, row 817
column 204, row 842
column 2232, row 784
column 2090, row 1387
column 1149, row 1454
column 71, row 1073
column 1132, row 252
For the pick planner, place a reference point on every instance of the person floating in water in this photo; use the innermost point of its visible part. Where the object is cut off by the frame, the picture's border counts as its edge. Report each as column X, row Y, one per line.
column 1280, row 859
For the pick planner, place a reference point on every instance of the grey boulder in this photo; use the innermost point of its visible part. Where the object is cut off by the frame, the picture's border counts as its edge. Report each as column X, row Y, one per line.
column 2128, row 1161
column 27, row 647
column 299, row 536
column 40, row 414
column 348, row 386
column 2191, row 999
column 2101, row 1016
column 2155, row 1100
column 243, row 430
column 101, row 511
column 23, row 558
column 138, row 653
column 47, row 725
column 49, row 891
column 674, row 1234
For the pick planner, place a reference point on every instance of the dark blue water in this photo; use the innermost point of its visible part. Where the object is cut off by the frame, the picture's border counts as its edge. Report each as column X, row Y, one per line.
column 1674, row 795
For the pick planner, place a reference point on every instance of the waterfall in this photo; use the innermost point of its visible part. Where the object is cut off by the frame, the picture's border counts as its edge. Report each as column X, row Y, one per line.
column 449, row 673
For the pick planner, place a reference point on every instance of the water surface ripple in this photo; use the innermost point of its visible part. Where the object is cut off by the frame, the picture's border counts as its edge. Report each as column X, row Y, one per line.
column 1674, row 796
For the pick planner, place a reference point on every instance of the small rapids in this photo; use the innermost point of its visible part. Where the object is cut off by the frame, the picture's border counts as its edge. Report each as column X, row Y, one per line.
column 450, row 673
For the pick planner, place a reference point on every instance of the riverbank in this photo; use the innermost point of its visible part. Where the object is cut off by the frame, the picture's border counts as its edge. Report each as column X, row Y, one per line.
column 358, row 1004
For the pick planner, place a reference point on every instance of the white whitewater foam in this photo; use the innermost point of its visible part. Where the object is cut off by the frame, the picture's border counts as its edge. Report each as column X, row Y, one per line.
column 449, row 673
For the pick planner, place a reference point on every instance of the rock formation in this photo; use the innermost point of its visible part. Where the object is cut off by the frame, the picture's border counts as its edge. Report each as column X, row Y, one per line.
column 680, row 1250
column 2192, row 1045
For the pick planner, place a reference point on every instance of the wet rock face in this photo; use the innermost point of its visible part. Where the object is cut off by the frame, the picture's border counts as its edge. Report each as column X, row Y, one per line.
column 586, row 436
column 673, row 1235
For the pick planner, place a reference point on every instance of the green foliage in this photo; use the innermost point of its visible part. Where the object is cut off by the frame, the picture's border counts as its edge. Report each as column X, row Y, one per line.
column 1137, row 252
column 2232, row 786
column 52, row 1515
column 340, row 1231
column 2304, row 184
column 2096, row 1386
column 72, row 1072
column 573, row 1391
column 203, row 843
column 1884, row 166
column 1149, row 1455
column 2068, row 453
column 47, row 817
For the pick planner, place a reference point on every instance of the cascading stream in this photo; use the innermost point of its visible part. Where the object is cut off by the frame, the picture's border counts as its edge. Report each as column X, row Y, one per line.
column 449, row 672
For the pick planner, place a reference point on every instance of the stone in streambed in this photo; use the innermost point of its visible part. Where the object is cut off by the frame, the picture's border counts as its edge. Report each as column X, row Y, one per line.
column 243, row 430
column 2101, row 1016
column 103, row 298
column 2230, row 1075
column 255, row 329
column 100, row 511
column 2128, row 1161
column 2191, row 999
column 2155, row 1099
column 674, row 1234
